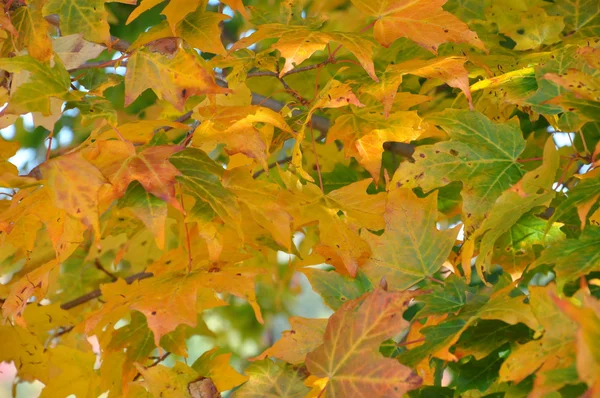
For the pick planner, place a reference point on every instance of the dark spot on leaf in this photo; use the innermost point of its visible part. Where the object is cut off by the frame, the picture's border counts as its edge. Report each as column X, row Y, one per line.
column 453, row 152
column 153, row 312
column 422, row 155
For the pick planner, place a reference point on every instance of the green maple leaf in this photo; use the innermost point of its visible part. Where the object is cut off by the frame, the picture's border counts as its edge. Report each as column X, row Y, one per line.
column 573, row 258
column 88, row 17
column 201, row 177
column 481, row 154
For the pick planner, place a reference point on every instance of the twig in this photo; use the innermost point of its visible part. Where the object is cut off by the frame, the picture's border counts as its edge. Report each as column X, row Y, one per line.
column 97, row 293
column 107, row 272
column 50, row 137
column 291, row 72
column 431, row 278
column 156, row 362
column 279, row 162
column 187, row 232
column 99, row 64
column 405, row 343
column 314, row 145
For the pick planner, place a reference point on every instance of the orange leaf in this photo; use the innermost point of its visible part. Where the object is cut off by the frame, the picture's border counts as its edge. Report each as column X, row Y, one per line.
column 422, row 21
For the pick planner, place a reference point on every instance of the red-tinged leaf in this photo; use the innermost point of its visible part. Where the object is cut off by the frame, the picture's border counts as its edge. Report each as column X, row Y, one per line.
column 422, row 21
column 121, row 165
column 349, row 356
column 587, row 318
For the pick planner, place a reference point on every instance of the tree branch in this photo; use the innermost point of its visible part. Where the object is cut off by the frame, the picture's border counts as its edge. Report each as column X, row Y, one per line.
column 97, row 293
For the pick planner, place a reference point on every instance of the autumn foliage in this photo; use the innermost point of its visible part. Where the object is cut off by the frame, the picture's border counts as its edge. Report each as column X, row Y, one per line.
column 297, row 198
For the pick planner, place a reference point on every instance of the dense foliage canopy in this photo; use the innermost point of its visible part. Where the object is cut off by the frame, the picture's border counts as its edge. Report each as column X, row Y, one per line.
column 300, row 198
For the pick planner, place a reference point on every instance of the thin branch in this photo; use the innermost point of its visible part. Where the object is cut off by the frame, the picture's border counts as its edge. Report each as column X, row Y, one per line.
column 291, row 72
column 405, row 343
column 285, row 160
column 314, row 145
column 156, row 362
column 97, row 293
column 187, row 231
column 107, row 272
column 99, row 64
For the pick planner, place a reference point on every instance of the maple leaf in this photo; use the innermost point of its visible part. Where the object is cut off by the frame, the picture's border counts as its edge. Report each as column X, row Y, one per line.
column 74, row 51
column 588, row 324
column 534, row 190
column 553, row 350
column 74, row 373
column 422, row 21
column 173, row 78
column 529, row 26
column 148, row 208
column 336, row 289
column 340, row 245
column 75, row 186
column 237, row 127
column 581, row 17
column 411, row 248
column 89, row 18
column 448, row 69
column 44, row 83
column 32, row 31
column 479, row 149
column 216, row 367
column 200, row 28
column 297, row 43
column 261, row 200
column 26, row 351
column 168, row 299
column 572, row 258
column 364, row 133
column 305, row 335
column 349, row 354
column 268, row 378
column 202, row 179
column 334, row 95
column 174, row 382
column 120, row 164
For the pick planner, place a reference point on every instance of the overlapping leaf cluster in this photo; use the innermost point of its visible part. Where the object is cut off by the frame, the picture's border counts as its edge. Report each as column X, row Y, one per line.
column 194, row 169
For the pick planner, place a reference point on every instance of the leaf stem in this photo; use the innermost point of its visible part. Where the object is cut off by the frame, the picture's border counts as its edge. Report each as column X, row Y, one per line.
column 187, row 232
column 405, row 343
column 314, row 146
column 50, row 137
